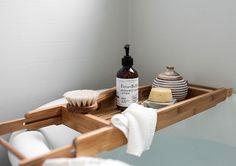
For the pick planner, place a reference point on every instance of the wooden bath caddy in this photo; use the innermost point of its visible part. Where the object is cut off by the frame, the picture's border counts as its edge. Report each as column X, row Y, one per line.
column 98, row 133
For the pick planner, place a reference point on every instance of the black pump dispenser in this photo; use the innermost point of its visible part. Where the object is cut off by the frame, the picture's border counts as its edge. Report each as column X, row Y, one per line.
column 127, row 82
column 127, row 60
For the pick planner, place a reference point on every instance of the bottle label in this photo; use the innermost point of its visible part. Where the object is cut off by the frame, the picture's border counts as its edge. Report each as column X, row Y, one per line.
column 126, row 91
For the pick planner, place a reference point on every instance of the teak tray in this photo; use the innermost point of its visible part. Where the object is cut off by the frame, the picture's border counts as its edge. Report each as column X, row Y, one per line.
column 98, row 133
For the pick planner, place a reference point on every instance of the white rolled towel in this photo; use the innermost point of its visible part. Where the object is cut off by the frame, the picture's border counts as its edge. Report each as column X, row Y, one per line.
column 55, row 138
column 29, row 143
column 138, row 124
column 83, row 161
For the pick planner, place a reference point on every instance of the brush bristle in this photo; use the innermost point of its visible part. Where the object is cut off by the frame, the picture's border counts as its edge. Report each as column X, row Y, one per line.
column 81, row 98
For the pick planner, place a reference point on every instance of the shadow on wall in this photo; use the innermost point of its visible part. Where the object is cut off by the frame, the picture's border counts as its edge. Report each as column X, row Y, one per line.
column 198, row 37
column 50, row 47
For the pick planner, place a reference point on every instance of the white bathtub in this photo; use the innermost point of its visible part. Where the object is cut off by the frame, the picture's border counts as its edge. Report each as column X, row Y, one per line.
column 207, row 139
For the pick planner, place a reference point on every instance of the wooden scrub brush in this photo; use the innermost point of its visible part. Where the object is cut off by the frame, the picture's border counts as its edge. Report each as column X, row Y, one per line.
column 81, row 101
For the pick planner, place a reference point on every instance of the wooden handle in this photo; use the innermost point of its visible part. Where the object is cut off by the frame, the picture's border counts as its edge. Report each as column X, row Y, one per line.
column 10, row 148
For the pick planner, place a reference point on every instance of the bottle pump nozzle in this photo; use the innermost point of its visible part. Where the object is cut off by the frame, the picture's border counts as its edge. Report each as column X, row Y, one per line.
column 127, row 60
column 126, row 49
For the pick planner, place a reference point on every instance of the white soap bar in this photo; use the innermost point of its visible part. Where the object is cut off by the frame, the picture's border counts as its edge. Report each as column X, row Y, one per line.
column 161, row 95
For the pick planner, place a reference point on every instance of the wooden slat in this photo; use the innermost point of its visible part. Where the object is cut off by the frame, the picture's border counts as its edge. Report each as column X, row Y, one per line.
column 98, row 119
column 42, row 114
column 20, row 124
column 106, row 94
column 200, row 89
column 101, row 140
column 106, row 110
column 43, row 123
column 229, row 92
column 11, row 126
column 202, row 86
column 182, row 110
column 82, row 123
column 221, row 92
column 11, row 149
column 144, row 92
column 23, row 123
column 196, row 91
column 109, row 115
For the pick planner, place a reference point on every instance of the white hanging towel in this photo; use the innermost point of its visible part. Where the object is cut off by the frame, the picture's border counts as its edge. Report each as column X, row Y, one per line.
column 83, row 161
column 138, row 124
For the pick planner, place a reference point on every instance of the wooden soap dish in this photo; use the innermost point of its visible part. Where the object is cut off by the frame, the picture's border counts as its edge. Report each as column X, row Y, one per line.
column 156, row 105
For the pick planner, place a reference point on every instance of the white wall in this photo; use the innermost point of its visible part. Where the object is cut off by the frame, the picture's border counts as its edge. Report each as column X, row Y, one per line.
column 48, row 47
column 198, row 37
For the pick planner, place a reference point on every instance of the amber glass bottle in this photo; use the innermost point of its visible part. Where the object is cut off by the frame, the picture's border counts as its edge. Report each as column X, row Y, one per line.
column 127, row 82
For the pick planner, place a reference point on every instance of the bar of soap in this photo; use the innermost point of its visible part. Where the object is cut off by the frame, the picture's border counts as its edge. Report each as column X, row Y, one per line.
column 161, row 95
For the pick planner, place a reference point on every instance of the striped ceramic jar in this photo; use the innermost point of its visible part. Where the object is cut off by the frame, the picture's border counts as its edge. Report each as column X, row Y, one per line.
column 172, row 80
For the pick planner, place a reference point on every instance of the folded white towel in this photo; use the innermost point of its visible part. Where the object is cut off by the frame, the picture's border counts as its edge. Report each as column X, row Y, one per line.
column 83, row 161
column 29, row 143
column 138, row 124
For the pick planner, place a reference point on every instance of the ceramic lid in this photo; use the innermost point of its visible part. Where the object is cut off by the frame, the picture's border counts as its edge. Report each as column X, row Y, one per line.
column 170, row 74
